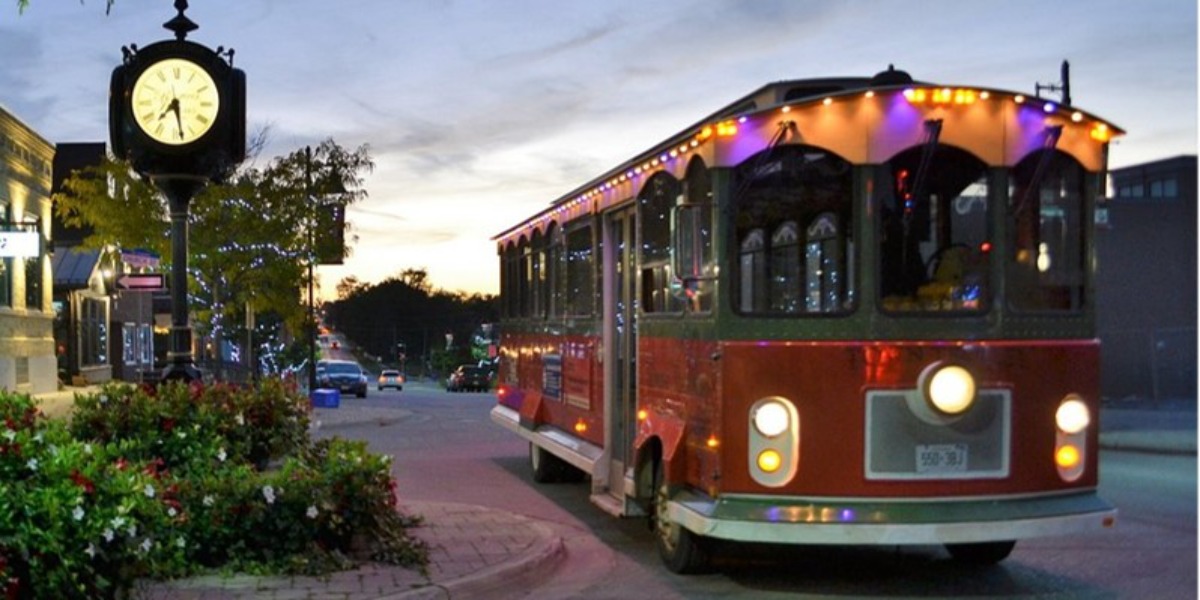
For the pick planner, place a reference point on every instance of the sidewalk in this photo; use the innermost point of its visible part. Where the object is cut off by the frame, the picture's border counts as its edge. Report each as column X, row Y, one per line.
column 475, row 550
column 472, row 549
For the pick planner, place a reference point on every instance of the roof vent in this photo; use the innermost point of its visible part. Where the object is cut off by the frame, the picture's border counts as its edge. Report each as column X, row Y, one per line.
column 891, row 77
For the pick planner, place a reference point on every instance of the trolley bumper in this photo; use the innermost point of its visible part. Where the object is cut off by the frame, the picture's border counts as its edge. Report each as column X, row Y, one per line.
column 793, row 520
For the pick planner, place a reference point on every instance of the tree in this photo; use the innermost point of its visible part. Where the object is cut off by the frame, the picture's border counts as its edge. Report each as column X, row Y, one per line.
column 249, row 238
column 404, row 309
column 24, row 4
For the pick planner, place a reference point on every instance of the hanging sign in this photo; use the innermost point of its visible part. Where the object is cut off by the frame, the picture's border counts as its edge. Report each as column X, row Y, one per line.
column 20, row 244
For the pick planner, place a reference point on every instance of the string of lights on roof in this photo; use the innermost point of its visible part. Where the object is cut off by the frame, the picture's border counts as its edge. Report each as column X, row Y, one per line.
column 592, row 199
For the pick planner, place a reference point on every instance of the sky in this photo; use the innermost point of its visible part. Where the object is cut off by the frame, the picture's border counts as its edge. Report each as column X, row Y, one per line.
column 479, row 113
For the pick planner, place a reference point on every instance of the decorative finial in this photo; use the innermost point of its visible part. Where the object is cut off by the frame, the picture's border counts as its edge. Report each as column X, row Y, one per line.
column 180, row 24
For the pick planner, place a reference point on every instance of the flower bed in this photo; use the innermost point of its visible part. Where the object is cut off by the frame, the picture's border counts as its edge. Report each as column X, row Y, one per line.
column 171, row 481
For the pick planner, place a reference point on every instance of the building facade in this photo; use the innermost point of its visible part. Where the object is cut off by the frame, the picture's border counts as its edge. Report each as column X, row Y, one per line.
column 27, row 349
column 1146, row 287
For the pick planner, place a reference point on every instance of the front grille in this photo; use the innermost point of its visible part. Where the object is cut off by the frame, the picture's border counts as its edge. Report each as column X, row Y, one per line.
column 900, row 445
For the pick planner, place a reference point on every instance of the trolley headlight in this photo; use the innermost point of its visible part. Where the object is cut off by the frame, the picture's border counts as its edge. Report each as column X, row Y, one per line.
column 949, row 388
column 773, row 441
column 1073, row 415
column 771, row 418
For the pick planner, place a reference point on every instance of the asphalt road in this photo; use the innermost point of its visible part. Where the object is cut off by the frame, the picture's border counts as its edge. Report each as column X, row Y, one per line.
column 446, row 449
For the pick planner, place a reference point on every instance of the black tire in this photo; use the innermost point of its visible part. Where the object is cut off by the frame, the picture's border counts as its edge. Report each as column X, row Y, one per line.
column 681, row 550
column 546, row 467
column 980, row 554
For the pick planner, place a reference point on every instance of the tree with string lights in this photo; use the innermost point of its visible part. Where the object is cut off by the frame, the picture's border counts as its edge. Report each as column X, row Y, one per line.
column 250, row 244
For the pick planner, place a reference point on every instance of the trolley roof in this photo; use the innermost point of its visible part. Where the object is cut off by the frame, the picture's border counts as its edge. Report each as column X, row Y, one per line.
column 799, row 93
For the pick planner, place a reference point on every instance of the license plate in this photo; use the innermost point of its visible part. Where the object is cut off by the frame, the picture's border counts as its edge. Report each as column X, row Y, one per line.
column 941, row 458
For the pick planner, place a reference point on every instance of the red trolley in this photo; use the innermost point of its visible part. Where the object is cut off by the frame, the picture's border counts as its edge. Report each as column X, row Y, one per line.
column 836, row 311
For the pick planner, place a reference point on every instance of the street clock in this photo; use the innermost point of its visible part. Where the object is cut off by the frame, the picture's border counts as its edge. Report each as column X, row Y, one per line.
column 178, row 108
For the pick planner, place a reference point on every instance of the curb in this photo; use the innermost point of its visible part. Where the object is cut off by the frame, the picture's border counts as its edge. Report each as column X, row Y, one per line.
column 529, row 567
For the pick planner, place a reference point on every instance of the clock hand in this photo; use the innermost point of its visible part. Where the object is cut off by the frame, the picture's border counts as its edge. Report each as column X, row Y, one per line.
column 172, row 106
column 178, row 119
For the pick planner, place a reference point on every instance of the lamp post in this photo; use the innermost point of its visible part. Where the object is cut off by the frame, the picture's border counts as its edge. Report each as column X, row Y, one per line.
column 332, row 186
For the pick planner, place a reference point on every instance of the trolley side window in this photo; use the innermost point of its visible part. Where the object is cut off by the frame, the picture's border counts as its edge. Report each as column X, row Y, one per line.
column 580, row 297
column 655, row 205
column 794, row 211
column 1047, row 268
column 934, row 234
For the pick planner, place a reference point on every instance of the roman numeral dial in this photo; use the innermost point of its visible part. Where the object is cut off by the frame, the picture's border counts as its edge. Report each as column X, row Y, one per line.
column 175, row 101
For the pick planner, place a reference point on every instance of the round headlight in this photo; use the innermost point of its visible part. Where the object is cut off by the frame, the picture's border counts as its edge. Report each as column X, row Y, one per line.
column 771, row 418
column 951, row 389
column 1073, row 415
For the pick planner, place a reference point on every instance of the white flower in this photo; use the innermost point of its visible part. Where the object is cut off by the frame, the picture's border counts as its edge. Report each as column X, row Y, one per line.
column 10, row 435
column 118, row 522
column 269, row 494
column 221, row 455
column 87, row 449
column 240, row 419
column 146, row 545
column 149, row 491
column 32, row 464
column 171, row 512
column 312, row 512
column 208, row 500
column 103, row 398
column 90, row 550
column 77, row 514
column 108, row 535
column 132, row 530
column 179, row 541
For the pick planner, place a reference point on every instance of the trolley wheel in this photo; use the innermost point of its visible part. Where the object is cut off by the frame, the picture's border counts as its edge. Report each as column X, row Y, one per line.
column 981, row 554
column 546, row 467
column 681, row 550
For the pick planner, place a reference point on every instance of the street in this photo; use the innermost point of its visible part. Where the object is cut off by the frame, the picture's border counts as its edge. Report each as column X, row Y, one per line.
column 446, row 449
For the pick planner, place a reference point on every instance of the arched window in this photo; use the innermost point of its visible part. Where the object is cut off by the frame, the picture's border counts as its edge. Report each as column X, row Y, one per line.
column 785, row 268
column 934, row 232
column 581, row 269
column 1047, row 270
column 552, row 265
column 696, row 237
column 753, row 267
column 787, row 191
column 658, row 198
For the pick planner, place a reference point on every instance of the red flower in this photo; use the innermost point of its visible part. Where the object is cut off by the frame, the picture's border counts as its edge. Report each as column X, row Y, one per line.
column 82, row 481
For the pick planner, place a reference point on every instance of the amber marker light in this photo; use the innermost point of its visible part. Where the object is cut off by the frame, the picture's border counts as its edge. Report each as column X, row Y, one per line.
column 643, row 414
column 769, row 461
column 580, row 426
column 712, row 442
column 1067, row 456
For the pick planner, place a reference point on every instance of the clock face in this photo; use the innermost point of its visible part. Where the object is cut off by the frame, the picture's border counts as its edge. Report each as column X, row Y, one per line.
column 175, row 101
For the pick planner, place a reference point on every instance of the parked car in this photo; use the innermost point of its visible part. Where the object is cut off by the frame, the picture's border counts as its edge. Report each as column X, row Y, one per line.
column 391, row 378
column 345, row 376
column 468, row 378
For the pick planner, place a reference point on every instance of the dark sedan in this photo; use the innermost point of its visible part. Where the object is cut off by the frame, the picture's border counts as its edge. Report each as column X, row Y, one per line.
column 469, row 378
column 345, row 376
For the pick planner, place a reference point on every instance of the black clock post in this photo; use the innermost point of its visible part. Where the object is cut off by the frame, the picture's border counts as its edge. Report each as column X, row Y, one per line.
column 177, row 113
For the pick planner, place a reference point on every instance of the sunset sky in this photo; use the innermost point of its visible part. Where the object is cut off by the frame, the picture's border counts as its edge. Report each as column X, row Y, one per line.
column 480, row 113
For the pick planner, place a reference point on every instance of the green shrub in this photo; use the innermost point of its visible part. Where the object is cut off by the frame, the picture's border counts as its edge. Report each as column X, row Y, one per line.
column 168, row 482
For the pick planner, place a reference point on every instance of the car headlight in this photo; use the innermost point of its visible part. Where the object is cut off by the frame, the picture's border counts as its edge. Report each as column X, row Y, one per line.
column 771, row 418
column 1073, row 415
column 949, row 388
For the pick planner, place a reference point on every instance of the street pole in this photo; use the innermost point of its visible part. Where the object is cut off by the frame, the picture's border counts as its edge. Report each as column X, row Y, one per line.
column 312, row 315
column 179, row 192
